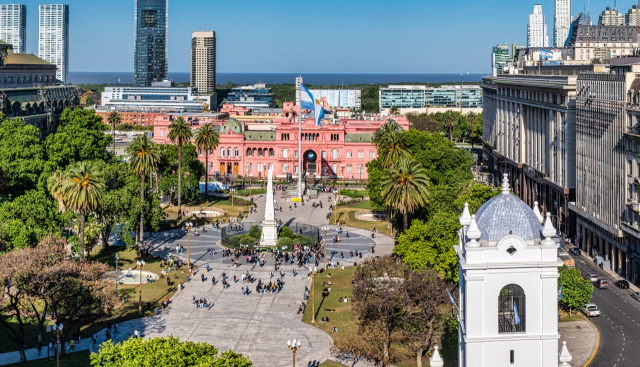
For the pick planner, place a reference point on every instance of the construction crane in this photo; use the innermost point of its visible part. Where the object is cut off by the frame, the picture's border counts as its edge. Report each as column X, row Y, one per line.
column 203, row 104
column 84, row 97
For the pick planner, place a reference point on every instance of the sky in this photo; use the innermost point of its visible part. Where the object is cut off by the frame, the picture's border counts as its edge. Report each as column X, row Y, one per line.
column 330, row 36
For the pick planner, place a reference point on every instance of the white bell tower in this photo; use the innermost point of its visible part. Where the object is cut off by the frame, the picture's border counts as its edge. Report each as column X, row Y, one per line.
column 508, row 285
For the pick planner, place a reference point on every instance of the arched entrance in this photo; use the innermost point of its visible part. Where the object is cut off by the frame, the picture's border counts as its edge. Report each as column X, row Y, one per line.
column 310, row 158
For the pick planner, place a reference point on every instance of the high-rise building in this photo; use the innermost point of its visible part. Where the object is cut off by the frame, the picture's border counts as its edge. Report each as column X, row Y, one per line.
column 13, row 26
column 298, row 87
column 203, row 61
column 151, row 34
column 514, row 49
column 561, row 22
column 499, row 57
column 537, row 29
column 631, row 18
column 53, row 38
column 611, row 16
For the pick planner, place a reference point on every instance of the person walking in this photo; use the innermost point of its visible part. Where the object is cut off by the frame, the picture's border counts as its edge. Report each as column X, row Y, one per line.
column 71, row 347
column 115, row 330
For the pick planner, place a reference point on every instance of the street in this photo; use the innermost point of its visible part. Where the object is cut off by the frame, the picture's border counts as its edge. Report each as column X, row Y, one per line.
column 619, row 323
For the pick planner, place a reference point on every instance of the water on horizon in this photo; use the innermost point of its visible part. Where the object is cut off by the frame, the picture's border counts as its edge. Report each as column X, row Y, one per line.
column 88, row 77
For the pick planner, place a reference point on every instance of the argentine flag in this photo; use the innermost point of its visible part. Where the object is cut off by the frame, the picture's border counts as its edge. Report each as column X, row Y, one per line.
column 307, row 102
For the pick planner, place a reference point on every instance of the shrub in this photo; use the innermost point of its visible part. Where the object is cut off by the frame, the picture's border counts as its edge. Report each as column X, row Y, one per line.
column 285, row 241
column 286, row 232
column 236, row 241
column 255, row 232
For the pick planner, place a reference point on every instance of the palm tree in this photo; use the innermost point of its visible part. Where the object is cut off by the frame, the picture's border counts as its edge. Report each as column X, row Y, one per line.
column 207, row 138
column 114, row 119
column 180, row 133
column 83, row 192
column 449, row 123
column 55, row 185
column 143, row 157
column 390, row 143
column 406, row 188
column 471, row 117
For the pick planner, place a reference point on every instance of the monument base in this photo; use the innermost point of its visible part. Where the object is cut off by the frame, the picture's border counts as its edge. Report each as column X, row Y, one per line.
column 269, row 236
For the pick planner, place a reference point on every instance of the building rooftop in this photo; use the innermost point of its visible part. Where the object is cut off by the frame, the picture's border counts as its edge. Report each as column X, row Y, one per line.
column 24, row 59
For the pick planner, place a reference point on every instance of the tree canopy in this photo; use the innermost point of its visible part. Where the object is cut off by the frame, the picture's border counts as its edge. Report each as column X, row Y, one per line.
column 576, row 291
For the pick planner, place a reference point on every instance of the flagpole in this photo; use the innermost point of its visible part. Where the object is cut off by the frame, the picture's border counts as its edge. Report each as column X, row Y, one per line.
column 300, row 145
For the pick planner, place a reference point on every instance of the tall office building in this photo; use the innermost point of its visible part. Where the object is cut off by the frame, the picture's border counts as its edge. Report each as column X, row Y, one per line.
column 632, row 16
column 499, row 57
column 151, row 50
column 53, row 38
column 612, row 17
column 13, row 26
column 537, row 29
column 561, row 22
column 203, row 61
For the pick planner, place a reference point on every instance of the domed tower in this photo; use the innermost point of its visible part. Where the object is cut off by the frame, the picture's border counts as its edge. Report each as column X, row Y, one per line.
column 508, row 285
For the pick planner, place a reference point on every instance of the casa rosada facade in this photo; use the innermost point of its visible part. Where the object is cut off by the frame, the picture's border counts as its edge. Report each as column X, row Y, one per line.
column 249, row 145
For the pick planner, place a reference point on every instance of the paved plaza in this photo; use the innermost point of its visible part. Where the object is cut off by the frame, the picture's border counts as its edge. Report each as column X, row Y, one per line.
column 256, row 325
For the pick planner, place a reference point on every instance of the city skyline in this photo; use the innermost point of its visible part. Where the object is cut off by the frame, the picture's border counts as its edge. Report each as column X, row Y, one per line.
column 437, row 51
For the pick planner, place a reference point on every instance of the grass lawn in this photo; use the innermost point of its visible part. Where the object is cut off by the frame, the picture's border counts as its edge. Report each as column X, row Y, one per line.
column 341, row 318
column 246, row 192
column 575, row 315
column 329, row 363
column 31, row 330
column 354, row 193
column 74, row 359
column 347, row 213
column 171, row 213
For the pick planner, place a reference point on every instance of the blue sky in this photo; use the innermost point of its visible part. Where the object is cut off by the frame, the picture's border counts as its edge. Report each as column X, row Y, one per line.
column 330, row 36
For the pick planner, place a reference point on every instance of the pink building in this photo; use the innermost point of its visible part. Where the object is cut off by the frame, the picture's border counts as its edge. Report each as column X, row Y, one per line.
column 250, row 147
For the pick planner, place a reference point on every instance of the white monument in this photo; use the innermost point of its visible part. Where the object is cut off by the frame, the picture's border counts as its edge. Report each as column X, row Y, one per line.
column 508, row 286
column 269, row 224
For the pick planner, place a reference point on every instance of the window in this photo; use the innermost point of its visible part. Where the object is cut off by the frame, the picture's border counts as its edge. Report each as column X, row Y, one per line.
column 222, row 152
column 162, row 132
column 295, row 169
column 271, row 152
column 360, row 168
column 260, row 152
column 211, row 152
column 324, row 155
column 248, row 167
column 236, row 152
column 334, row 154
column 360, row 154
column 295, row 154
column 259, row 168
column 285, row 168
column 228, row 152
column 285, row 153
column 334, row 168
column 249, row 152
column 372, row 154
column 629, row 168
column 511, row 309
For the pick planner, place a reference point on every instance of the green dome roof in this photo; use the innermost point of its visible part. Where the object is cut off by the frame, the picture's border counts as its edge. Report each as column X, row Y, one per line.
column 232, row 125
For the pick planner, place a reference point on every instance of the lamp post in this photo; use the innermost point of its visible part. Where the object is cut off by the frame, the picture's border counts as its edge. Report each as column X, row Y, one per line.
column 293, row 347
column 140, row 264
column 117, row 276
column 343, row 185
column 325, row 230
column 189, row 225
column 232, row 190
column 250, row 196
column 313, row 293
column 57, row 331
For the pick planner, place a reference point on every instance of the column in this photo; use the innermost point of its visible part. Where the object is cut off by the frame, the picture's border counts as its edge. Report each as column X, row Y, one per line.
column 606, row 250
column 613, row 258
column 621, row 259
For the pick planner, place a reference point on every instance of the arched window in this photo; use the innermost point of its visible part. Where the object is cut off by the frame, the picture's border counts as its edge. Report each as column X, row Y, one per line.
column 334, row 168
column 249, row 152
column 285, row 153
column 222, row 152
column 260, row 152
column 360, row 154
column 372, row 154
column 334, row 154
column 199, row 151
column 236, row 152
column 511, row 309
column 228, row 152
column 349, row 154
column 271, row 152
column 285, row 168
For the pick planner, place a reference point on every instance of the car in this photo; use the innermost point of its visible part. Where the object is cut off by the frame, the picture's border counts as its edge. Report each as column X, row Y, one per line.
column 591, row 310
column 622, row 284
column 575, row 251
column 591, row 277
column 602, row 283
column 636, row 296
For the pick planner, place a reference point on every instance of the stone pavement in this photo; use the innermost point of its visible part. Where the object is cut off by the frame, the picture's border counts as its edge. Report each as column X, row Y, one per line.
column 582, row 339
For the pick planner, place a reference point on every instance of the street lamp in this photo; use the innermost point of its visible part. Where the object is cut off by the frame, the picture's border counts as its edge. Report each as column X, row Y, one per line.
column 140, row 264
column 117, row 276
column 343, row 187
column 325, row 230
column 57, row 331
column 189, row 225
column 250, row 196
column 313, row 294
column 293, row 347
column 232, row 190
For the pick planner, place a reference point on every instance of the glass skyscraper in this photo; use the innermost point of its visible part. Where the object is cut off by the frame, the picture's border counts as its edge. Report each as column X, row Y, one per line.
column 151, row 46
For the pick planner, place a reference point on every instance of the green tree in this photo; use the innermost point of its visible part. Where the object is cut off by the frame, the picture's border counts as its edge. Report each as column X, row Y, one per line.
column 406, row 189
column 192, row 170
column 450, row 121
column 576, row 291
column 286, row 232
column 431, row 243
column 471, row 118
column 90, row 101
column 255, row 231
column 377, row 172
column 83, row 193
column 168, row 351
column 180, row 133
column 476, row 194
column 206, row 138
column 144, row 155
column 92, row 231
column 55, row 185
column 114, row 119
column 22, row 155
column 389, row 140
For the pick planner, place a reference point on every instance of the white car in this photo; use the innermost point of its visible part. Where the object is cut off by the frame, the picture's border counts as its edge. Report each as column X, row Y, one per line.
column 591, row 310
column 636, row 296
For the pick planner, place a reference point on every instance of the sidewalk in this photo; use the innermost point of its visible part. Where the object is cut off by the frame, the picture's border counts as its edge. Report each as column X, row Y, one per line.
column 582, row 340
column 31, row 354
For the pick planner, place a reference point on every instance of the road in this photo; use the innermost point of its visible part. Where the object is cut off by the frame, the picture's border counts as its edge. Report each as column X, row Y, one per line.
column 619, row 324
